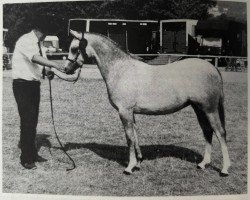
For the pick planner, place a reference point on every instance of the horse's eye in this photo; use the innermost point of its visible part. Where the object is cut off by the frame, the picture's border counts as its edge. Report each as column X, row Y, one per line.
column 74, row 50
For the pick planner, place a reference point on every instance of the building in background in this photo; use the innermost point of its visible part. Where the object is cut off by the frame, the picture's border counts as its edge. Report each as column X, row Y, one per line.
column 222, row 37
column 134, row 36
column 177, row 36
column 51, row 42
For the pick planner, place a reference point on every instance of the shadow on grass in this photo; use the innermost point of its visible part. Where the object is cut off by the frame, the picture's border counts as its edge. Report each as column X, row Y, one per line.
column 119, row 154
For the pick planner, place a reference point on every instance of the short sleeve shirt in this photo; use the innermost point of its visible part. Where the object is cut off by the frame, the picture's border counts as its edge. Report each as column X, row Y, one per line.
column 22, row 65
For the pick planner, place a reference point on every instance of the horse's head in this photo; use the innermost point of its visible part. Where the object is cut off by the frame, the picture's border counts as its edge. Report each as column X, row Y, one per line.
column 77, row 52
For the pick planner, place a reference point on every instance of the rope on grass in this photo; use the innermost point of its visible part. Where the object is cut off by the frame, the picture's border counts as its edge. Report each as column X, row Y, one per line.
column 53, row 122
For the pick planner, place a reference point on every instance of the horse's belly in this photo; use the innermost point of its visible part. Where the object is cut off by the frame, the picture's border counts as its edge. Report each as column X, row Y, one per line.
column 159, row 104
column 156, row 110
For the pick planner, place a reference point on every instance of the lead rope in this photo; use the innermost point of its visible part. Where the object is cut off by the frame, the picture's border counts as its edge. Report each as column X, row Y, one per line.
column 53, row 122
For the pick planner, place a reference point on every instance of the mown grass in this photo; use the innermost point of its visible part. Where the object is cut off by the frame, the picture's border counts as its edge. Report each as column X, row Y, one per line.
column 93, row 135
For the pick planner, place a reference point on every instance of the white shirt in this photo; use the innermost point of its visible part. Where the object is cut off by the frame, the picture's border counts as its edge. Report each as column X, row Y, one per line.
column 22, row 65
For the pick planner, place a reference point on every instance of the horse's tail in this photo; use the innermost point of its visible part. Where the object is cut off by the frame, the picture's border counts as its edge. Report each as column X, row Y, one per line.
column 222, row 110
column 221, row 102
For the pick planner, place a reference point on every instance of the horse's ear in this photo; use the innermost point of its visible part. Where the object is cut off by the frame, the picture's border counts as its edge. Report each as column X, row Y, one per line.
column 76, row 34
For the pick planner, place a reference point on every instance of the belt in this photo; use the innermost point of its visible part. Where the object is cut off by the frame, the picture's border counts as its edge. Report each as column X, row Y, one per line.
column 20, row 80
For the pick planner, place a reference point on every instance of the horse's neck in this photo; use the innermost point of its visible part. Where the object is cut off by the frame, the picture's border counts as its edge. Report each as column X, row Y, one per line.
column 107, row 54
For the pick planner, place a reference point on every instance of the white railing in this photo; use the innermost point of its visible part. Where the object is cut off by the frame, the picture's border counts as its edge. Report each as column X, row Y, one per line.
column 216, row 57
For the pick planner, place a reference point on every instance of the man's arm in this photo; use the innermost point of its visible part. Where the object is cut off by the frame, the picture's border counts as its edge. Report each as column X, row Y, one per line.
column 44, row 61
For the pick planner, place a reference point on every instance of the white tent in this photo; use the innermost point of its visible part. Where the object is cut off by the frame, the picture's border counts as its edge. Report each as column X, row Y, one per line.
column 54, row 40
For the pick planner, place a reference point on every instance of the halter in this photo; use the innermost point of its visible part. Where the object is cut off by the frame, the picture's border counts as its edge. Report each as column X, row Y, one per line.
column 75, row 60
column 82, row 49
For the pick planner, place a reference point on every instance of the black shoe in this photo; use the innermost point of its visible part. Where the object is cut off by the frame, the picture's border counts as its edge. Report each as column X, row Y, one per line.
column 29, row 165
column 40, row 159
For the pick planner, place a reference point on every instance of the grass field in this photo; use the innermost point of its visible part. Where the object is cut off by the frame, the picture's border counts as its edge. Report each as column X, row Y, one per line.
column 93, row 135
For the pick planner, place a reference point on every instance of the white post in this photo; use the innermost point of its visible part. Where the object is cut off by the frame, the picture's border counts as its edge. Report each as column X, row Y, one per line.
column 69, row 26
column 216, row 62
column 169, row 59
column 87, row 25
column 108, row 33
column 161, row 31
column 127, row 40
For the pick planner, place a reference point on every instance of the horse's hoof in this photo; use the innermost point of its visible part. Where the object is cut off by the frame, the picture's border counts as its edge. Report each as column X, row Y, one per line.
column 126, row 172
column 223, row 174
column 140, row 160
column 202, row 166
column 198, row 167
column 136, row 168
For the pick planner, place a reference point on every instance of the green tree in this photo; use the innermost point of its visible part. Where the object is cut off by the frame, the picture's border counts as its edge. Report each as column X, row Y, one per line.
column 157, row 9
column 17, row 17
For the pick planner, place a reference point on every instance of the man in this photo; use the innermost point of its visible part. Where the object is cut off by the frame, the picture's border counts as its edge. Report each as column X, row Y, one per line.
column 27, row 69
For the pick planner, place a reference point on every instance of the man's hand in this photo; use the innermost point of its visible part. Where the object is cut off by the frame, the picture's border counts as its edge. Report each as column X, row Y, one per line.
column 50, row 74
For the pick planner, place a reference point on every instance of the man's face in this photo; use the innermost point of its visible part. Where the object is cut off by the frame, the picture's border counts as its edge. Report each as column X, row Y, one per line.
column 44, row 36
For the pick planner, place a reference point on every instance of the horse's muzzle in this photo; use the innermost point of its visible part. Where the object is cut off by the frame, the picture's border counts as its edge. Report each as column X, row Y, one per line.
column 68, row 71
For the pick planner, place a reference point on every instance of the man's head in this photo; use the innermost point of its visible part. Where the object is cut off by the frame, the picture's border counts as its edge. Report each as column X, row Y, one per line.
column 46, row 24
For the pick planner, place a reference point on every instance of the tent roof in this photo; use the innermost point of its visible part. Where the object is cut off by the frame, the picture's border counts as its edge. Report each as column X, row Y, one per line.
column 51, row 38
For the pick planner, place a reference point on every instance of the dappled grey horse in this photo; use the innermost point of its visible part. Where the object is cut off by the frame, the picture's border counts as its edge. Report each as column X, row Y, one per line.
column 135, row 87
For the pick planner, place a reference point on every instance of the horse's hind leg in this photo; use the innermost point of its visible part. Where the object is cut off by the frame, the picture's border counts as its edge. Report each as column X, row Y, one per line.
column 208, row 134
column 220, row 132
column 127, row 120
column 137, row 148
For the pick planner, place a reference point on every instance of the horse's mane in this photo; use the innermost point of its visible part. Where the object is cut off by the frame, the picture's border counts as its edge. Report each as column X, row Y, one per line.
column 111, row 41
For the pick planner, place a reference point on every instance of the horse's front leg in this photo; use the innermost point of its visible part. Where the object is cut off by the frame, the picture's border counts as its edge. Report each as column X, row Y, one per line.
column 127, row 121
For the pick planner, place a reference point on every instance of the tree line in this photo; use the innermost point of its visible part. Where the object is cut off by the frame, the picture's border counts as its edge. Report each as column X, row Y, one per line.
column 16, row 17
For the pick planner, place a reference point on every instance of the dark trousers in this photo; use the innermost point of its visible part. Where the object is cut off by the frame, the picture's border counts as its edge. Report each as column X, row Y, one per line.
column 27, row 95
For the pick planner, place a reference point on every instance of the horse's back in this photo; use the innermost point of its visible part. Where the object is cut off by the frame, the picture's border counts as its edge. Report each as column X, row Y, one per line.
column 187, row 67
column 188, row 72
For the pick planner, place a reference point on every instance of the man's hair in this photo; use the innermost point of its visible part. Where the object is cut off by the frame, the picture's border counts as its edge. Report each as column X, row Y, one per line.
column 44, row 23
